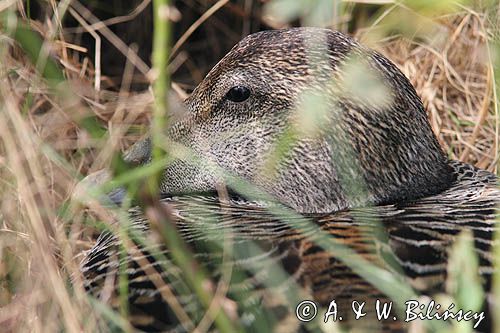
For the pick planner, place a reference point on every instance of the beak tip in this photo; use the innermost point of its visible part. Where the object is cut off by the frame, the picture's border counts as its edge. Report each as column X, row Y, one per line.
column 82, row 194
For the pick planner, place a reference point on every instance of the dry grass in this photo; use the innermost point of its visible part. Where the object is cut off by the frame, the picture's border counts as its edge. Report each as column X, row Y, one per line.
column 453, row 76
column 45, row 148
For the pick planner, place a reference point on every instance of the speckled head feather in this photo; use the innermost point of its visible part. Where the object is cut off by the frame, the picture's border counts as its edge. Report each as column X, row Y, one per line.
column 362, row 152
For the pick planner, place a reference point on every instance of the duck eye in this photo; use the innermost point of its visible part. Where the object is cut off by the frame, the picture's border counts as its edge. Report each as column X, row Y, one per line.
column 238, row 94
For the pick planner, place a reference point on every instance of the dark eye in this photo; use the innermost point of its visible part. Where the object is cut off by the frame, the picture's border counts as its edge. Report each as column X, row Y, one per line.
column 238, row 94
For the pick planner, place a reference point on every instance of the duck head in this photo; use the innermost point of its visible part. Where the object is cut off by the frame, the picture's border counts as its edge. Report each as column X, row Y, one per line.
column 282, row 111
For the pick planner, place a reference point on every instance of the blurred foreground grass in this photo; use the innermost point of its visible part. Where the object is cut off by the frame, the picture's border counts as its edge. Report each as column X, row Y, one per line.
column 60, row 118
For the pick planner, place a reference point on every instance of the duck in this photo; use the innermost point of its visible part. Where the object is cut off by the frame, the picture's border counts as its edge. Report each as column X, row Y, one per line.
column 367, row 173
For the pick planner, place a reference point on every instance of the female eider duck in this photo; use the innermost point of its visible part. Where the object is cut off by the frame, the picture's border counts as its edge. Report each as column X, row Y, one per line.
column 368, row 172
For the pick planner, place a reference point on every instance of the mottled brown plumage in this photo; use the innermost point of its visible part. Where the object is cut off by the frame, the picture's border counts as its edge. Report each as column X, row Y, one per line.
column 386, row 144
column 371, row 174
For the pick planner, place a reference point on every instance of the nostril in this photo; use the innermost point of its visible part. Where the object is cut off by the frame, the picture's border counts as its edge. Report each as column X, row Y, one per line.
column 139, row 153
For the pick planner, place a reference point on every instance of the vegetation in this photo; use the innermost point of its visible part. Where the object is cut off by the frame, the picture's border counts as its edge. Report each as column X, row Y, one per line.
column 74, row 94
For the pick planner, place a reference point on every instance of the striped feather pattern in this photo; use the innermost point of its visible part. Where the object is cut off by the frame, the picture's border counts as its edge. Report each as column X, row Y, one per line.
column 272, row 259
